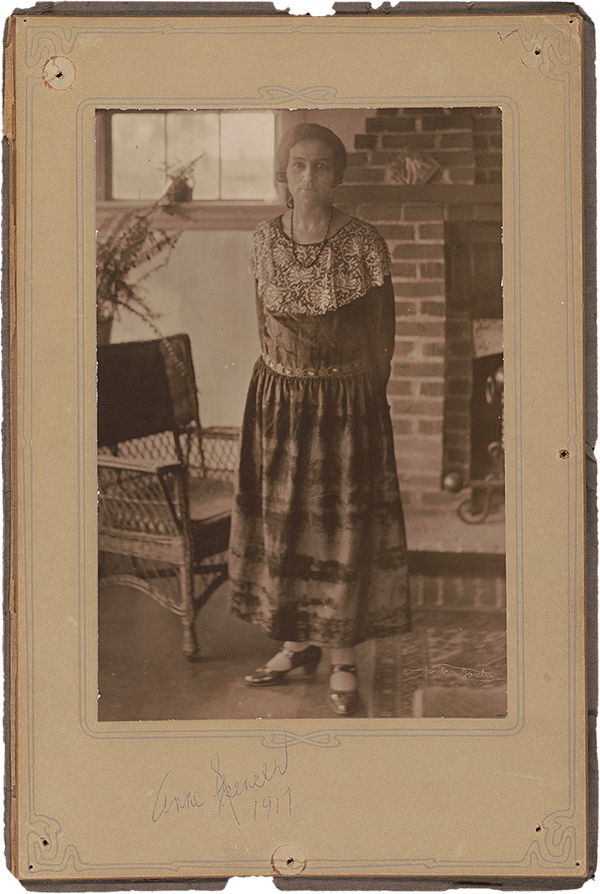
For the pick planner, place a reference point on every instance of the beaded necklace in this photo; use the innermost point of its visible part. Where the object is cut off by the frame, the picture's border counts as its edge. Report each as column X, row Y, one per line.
column 321, row 244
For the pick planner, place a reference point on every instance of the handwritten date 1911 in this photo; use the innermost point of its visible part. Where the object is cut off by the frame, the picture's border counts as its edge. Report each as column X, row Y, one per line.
column 264, row 807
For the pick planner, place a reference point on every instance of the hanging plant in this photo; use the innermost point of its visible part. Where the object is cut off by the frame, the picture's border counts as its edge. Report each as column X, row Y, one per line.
column 132, row 247
column 182, row 179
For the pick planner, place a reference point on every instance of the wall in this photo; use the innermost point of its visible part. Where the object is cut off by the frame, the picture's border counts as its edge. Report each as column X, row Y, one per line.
column 207, row 291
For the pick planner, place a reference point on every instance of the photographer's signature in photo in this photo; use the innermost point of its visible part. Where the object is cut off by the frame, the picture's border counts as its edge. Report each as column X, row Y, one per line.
column 449, row 670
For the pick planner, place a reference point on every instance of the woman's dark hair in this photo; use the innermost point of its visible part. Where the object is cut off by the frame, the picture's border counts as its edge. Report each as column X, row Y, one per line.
column 311, row 132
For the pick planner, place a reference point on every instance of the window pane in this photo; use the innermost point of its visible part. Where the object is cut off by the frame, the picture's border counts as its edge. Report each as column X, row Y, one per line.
column 247, row 147
column 138, row 150
column 234, row 152
column 190, row 135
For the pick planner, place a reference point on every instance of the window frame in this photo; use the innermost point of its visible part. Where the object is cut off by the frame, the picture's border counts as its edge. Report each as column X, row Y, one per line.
column 203, row 213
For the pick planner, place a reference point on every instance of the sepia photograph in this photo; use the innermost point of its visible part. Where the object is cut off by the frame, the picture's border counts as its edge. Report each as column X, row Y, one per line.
column 300, row 414
column 298, row 469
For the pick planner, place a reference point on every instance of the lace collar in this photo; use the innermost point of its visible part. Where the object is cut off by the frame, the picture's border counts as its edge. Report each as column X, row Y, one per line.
column 353, row 260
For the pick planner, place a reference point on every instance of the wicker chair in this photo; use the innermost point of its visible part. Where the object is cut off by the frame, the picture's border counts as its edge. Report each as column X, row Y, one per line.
column 164, row 483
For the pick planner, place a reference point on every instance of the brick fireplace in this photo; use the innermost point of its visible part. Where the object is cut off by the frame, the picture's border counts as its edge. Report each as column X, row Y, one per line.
column 430, row 180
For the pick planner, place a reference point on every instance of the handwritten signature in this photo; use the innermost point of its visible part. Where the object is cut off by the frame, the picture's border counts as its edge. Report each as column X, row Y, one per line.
column 227, row 790
column 449, row 670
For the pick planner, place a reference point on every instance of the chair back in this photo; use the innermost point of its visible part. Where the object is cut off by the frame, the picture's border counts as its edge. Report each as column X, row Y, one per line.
column 146, row 388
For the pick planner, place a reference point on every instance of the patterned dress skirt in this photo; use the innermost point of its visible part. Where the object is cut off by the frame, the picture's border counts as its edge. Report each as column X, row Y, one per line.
column 318, row 549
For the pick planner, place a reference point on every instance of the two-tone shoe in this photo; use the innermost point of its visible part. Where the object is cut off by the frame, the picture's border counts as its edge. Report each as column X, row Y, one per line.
column 343, row 701
column 307, row 659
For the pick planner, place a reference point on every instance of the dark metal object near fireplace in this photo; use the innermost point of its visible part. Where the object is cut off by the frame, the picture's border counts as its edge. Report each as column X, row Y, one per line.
column 487, row 442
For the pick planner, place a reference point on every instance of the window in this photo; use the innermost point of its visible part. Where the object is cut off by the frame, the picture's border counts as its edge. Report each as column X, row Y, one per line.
column 234, row 151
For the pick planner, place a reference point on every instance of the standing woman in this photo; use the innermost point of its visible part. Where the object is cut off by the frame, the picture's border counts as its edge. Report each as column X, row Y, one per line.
column 318, row 550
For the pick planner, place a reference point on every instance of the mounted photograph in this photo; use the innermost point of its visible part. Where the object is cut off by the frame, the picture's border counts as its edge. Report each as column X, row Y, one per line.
column 300, row 413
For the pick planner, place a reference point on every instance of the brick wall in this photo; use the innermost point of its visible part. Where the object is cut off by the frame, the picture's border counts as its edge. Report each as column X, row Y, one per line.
column 445, row 134
column 487, row 143
column 429, row 390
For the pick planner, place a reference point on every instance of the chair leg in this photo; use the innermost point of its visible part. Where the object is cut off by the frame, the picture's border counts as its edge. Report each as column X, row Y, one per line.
column 190, row 642
column 190, row 646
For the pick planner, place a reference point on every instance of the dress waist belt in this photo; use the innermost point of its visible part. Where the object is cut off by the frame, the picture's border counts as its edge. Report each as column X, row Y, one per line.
column 344, row 369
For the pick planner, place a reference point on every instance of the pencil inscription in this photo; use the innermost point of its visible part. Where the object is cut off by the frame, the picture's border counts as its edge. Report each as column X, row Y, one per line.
column 166, row 802
column 226, row 792
column 231, row 794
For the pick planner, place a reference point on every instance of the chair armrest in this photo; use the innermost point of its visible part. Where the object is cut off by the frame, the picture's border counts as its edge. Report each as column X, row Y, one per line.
column 136, row 465
column 142, row 496
column 227, row 432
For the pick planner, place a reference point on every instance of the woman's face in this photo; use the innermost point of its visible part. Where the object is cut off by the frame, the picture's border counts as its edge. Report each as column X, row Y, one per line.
column 310, row 172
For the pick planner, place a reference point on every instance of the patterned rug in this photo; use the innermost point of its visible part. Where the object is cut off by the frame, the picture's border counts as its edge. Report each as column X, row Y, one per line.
column 457, row 643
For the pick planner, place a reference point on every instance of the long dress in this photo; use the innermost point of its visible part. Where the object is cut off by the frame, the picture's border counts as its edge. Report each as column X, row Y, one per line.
column 318, row 548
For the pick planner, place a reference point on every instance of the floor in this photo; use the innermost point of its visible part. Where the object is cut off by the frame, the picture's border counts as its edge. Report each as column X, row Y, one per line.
column 444, row 531
column 451, row 664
